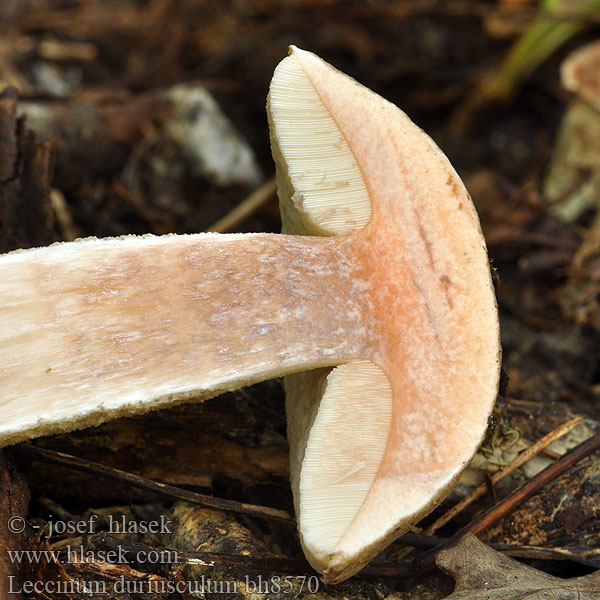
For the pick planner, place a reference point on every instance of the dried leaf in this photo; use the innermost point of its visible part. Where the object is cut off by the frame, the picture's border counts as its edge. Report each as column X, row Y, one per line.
column 481, row 573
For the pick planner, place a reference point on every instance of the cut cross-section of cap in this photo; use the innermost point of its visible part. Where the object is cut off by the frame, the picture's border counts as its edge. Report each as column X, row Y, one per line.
column 377, row 443
column 382, row 315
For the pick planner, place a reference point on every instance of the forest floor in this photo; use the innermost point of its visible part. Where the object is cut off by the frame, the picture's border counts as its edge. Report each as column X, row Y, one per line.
column 92, row 108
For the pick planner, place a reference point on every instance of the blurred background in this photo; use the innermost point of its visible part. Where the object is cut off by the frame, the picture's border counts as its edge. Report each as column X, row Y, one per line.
column 99, row 78
column 137, row 116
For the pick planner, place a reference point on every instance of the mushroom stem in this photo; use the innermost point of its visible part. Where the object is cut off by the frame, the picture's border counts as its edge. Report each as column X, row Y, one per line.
column 102, row 328
column 394, row 292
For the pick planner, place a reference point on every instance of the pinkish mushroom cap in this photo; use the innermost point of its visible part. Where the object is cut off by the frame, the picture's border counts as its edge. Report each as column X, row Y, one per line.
column 383, row 316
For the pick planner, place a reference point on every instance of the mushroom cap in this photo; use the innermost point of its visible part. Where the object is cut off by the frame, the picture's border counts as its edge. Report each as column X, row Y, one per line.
column 394, row 312
column 580, row 73
column 435, row 351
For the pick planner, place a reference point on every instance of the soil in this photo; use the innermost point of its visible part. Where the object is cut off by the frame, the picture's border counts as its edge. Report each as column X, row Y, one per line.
column 100, row 161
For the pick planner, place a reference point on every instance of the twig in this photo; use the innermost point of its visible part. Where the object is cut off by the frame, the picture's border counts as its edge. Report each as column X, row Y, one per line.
column 137, row 481
column 245, row 208
column 589, row 557
column 62, row 213
column 113, row 571
column 67, row 50
column 135, row 198
column 521, row 459
column 494, row 514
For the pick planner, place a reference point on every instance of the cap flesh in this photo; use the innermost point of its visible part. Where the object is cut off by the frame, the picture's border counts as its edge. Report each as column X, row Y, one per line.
column 392, row 437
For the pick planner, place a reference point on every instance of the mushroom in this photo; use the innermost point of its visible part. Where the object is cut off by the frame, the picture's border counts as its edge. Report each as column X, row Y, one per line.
column 580, row 73
column 572, row 183
column 382, row 315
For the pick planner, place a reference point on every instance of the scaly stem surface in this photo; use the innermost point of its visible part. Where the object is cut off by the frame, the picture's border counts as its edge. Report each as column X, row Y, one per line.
column 99, row 327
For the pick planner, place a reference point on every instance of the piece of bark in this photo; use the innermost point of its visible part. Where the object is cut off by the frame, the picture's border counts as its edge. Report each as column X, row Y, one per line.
column 26, row 216
column 205, row 530
column 211, row 551
column 14, row 498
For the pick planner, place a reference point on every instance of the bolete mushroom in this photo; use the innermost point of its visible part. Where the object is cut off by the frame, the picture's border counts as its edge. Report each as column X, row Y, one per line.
column 580, row 73
column 382, row 315
column 572, row 184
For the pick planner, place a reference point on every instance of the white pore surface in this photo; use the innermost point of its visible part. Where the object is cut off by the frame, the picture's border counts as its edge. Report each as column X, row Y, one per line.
column 344, row 450
column 319, row 160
